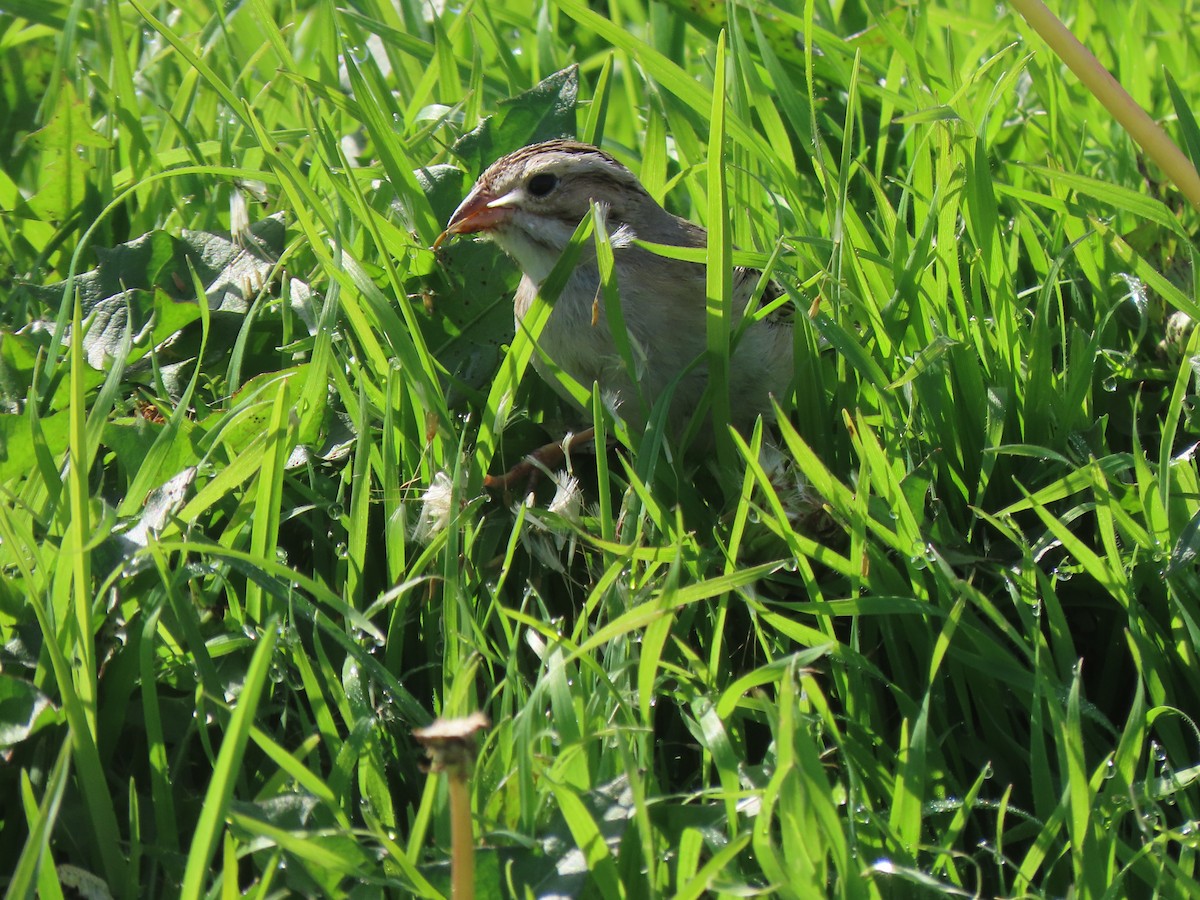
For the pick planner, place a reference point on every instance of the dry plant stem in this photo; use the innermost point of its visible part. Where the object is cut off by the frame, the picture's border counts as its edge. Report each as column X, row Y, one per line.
column 1135, row 120
column 450, row 744
column 549, row 456
column 462, row 841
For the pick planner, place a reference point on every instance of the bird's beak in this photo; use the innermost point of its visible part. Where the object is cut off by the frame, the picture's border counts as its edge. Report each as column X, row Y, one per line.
column 479, row 212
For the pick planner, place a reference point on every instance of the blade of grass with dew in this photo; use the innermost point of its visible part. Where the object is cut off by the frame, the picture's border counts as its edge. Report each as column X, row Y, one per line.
column 906, row 813
column 357, row 530
column 78, row 536
column 1175, row 410
column 1187, row 121
column 264, row 535
column 35, row 864
column 93, row 784
column 612, row 307
column 166, row 823
column 597, row 114
column 233, row 744
column 718, row 273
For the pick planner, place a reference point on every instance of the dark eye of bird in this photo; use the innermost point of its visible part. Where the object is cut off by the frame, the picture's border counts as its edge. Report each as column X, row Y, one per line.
column 542, row 184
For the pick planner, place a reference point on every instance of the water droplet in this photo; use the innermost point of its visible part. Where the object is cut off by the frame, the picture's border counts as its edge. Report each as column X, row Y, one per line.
column 921, row 554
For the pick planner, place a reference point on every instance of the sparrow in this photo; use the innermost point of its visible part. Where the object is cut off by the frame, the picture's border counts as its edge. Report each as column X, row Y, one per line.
column 530, row 202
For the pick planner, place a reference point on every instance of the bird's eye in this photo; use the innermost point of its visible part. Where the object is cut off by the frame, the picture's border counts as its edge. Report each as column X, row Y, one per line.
column 542, row 184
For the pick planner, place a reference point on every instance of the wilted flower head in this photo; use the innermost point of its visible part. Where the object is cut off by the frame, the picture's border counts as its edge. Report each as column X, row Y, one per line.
column 568, row 499
column 437, row 505
column 612, row 401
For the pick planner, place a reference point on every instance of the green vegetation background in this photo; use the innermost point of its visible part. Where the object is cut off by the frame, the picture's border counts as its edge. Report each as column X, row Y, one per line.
column 245, row 415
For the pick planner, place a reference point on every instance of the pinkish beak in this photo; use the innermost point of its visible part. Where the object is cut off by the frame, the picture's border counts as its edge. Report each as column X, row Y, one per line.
column 475, row 214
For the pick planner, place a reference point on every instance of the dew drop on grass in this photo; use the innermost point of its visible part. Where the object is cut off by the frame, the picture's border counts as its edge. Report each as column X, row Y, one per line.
column 922, row 554
column 1137, row 292
column 918, row 555
column 1110, row 383
column 1110, row 769
column 1166, row 770
column 950, row 804
column 334, row 510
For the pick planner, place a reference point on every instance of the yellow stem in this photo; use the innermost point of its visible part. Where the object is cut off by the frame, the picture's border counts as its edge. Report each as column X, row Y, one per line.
column 1135, row 120
column 462, row 839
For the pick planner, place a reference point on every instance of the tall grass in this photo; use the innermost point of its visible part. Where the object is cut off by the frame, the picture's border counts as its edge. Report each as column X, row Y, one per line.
column 247, row 414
